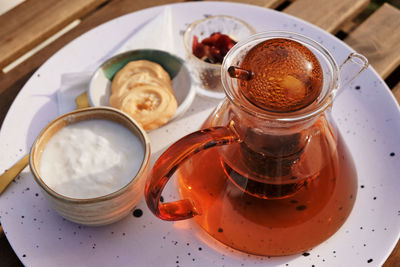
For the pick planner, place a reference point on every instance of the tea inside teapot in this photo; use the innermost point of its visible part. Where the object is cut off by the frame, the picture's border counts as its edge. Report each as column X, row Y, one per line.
column 279, row 75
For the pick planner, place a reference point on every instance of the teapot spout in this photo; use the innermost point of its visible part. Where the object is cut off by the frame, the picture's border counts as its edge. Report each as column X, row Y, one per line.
column 353, row 65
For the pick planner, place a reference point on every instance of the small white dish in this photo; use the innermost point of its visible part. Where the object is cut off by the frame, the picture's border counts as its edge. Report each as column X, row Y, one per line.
column 100, row 83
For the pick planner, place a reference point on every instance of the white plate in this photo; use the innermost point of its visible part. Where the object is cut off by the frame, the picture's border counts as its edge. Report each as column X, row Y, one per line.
column 366, row 113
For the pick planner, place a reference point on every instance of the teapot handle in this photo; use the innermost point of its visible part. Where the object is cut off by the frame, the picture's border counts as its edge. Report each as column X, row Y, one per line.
column 170, row 161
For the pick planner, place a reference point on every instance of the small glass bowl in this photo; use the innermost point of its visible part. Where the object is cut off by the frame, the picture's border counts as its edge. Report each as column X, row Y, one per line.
column 207, row 76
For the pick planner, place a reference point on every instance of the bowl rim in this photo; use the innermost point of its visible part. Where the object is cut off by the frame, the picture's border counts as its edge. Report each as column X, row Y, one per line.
column 182, row 107
column 197, row 22
column 65, row 117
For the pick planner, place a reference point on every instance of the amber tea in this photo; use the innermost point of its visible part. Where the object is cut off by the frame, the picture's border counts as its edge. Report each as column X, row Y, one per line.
column 276, row 216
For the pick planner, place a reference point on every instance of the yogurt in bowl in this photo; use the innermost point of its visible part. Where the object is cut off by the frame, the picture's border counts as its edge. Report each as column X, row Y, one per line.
column 91, row 158
column 92, row 164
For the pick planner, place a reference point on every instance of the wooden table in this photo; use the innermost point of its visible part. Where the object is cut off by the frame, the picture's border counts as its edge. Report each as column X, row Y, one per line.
column 376, row 35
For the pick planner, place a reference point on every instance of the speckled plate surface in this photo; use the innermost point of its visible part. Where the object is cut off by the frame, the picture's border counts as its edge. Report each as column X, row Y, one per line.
column 366, row 114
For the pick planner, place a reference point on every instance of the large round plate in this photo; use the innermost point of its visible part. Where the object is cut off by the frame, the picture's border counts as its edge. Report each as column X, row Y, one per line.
column 366, row 114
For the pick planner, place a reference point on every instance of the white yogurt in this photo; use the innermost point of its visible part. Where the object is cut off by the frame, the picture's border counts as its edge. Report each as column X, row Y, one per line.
column 90, row 159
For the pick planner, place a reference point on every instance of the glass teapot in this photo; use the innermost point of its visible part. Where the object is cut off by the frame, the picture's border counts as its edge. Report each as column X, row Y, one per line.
column 262, row 180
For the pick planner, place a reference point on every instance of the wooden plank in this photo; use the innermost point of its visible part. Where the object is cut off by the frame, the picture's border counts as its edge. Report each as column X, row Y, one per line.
column 378, row 38
column 261, row 3
column 112, row 10
column 8, row 94
column 12, row 81
column 394, row 258
column 329, row 15
column 396, row 93
column 7, row 255
column 32, row 22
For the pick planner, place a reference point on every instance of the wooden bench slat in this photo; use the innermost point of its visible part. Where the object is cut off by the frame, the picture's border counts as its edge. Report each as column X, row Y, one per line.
column 327, row 14
column 378, row 38
column 396, row 92
column 32, row 22
column 112, row 10
column 261, row 3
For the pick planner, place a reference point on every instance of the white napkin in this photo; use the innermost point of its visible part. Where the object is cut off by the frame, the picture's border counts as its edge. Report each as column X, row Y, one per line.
column 147, row 35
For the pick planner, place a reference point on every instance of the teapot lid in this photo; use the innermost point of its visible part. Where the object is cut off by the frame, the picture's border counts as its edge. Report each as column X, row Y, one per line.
column 280, row 75
column 284, row 75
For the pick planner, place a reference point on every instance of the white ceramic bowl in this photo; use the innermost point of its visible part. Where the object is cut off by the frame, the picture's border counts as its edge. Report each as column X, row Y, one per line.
column 100, row 83
column 99, row 210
